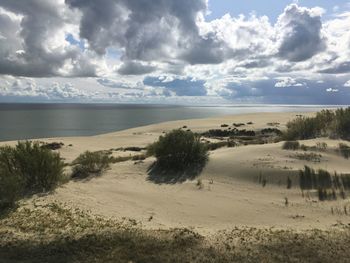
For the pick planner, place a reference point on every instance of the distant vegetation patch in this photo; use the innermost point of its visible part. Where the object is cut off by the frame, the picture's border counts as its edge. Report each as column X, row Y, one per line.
column 26, row 169
column 53, row 145
column 216, row 145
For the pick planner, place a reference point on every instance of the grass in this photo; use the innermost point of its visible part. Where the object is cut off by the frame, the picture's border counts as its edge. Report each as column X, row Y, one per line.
column 310, row 157
column 90, row 163
column 27, row 169
column 72, row 235
column 344, row 150
column 334, row 124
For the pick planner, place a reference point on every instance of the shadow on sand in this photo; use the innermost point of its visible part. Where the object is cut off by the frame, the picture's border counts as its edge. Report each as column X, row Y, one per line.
column 161, row 175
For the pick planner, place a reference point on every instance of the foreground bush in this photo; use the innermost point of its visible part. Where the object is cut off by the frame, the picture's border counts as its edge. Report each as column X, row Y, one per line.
column 89, row 163
column 27, row 168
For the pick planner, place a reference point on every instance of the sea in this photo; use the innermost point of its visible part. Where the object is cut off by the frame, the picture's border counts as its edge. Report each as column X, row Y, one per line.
column 30, row 121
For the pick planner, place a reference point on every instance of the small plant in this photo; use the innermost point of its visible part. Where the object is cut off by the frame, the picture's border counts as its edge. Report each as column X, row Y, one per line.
column 289, row 183
column 89, row 163
column 291, row 145
column 200, row 184
column 53, row 145
column 303, row 147
column 321, row 146
column 344, row 150
column 310, row 157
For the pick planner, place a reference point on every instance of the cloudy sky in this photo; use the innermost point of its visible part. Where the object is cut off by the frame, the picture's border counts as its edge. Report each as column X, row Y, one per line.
column 175, row 51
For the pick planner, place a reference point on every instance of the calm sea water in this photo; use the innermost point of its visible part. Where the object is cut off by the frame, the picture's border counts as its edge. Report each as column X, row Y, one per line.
column 30, row 121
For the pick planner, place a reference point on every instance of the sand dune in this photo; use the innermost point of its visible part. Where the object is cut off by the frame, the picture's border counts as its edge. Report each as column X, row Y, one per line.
column 230, row 194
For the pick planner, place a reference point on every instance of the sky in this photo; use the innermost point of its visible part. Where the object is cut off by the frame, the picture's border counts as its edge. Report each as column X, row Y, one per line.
column 175, row 51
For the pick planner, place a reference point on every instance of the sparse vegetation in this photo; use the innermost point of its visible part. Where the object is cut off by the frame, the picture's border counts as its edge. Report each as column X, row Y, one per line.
column 310, row 157
column 72, row 235
column 289, row 183
column 321, row 146
column 131, row 149
column 27, row 168
column 228, row 133
column 216, row 145
column 90, row 163
column 325, row 184
column 291, row 145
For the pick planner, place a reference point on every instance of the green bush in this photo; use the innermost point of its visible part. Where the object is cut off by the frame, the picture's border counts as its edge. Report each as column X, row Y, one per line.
column 344, row 150
column 179, row 150
column 335, row 124
column 291, row 145
column 89, row 163
column 27, row 168
column 341, row 124
column 11, row 188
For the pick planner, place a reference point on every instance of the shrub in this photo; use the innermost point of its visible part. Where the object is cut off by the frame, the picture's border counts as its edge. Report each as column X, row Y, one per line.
column 326, row 123
column 341, row 126
column 321, row 146
column 291, row 145
column 10, row 189
column 271, row 131
column 89, row 163
column 27, row 168
column 53, row 145
column 344, row 150
column 179, row 150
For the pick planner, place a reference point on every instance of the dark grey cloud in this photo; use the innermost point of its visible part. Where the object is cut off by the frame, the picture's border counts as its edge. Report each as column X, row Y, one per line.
column 205, row 51
column 255, row 63
column 311, row 92
column 113, row 84
column 135, row 68
column 301, row 33
column 27, row 54
column 181, row 87
column 149, row 30
column 340, row 68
